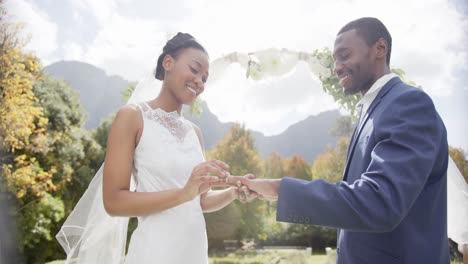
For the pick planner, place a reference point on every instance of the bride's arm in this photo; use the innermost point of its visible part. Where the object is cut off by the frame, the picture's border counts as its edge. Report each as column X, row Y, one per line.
column 212, row 201
column 118, row 199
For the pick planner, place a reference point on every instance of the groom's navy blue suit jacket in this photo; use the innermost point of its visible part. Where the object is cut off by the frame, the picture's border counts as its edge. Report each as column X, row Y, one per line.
column 391, row 206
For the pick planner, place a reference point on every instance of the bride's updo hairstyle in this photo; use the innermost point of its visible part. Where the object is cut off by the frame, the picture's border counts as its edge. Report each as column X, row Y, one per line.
column 173, row 48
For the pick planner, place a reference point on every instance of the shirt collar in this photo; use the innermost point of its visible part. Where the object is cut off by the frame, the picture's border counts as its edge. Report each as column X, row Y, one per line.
column 370, row 95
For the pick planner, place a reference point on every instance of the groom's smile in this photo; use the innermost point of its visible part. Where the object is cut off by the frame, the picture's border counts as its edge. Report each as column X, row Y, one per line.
column 345, row 80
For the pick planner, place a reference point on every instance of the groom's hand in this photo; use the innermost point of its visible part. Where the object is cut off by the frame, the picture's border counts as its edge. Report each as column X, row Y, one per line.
column 244, row 194
column 266, row 189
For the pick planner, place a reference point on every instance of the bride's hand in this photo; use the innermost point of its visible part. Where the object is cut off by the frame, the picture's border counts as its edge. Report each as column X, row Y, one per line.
column 202, row 178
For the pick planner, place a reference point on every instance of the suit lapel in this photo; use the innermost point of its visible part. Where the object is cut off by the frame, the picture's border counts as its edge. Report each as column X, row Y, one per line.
column 357, row 131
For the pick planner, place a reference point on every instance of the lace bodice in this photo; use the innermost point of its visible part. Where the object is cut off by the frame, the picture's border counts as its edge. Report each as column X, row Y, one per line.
column 176, row 124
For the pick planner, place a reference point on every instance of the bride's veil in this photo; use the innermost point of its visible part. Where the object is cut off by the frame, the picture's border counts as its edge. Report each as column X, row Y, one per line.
column 457, row 206
column 89, row 234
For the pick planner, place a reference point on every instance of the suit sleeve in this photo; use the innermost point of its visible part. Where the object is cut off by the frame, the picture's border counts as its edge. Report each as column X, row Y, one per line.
column 408, row 136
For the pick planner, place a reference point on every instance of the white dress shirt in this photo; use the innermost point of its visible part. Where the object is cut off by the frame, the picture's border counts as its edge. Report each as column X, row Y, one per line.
column 370, row 95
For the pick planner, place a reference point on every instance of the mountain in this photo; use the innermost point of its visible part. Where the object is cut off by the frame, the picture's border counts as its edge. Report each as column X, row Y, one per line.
column 100, row 96
column 307, row 138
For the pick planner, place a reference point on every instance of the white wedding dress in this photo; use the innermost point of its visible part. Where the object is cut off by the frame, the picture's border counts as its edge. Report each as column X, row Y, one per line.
column 164, row 158
column 167, row 152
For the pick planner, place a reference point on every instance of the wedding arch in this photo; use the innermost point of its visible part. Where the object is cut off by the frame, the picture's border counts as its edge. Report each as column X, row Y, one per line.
column 273, row 62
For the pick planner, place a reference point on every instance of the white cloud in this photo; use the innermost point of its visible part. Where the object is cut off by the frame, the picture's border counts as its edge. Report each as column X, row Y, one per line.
column 430, row 47
column 72, row 51
column 428, row 43
column 123, row 45
column 127, row 47
column 101, row 10
column 37, row 25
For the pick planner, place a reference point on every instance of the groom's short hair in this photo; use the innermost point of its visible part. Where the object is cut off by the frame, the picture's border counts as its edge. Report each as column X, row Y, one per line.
column 371, row 30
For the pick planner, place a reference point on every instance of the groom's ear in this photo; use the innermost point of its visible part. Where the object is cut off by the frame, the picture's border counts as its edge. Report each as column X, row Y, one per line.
column 381, row 49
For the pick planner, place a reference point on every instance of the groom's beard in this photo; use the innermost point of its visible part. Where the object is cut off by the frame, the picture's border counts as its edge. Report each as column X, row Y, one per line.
column 362, row 88
column 348, row 92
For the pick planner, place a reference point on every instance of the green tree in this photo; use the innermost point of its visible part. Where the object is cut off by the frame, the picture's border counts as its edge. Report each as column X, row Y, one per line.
column 101, row 133
column 273, row 166
column 330, row 164
column 22, row 123
column 75, row 152
column 72, row 152
column 245, row 222
column 25, row 140
column 47, row 157
column 238, row 149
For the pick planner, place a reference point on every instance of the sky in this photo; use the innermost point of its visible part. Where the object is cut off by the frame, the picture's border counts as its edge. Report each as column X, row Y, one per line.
column 125, row 37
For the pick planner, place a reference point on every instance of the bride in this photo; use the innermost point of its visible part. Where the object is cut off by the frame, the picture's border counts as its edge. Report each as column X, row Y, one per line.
column 155, row 151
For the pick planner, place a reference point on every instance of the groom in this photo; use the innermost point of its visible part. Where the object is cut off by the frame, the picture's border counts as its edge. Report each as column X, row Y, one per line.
column 391, row 206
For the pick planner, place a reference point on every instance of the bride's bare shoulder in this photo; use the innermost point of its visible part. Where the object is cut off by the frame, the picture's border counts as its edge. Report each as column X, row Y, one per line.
column 129, row 109
column 129, row 116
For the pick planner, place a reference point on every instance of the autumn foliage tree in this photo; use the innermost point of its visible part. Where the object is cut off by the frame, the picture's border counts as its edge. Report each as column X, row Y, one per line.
column 297, row 167
column 22, row 122
column 330, row 164
column 47, row 157
column 273, row 167
column 236, row 221
column 23, row 134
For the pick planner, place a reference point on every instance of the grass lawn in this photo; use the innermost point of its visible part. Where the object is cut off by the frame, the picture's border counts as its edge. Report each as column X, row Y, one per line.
column 260, row 258
column 276, row 257
column 271, row 257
